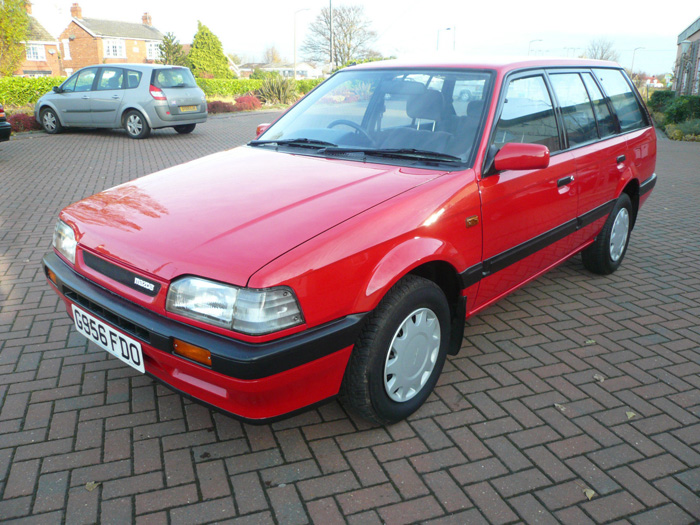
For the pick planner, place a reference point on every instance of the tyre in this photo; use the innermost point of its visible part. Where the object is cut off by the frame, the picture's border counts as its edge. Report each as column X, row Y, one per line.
column 400, row 352
column 50, row 122
column 605, row 255
column 185, row 128
column 135, row 125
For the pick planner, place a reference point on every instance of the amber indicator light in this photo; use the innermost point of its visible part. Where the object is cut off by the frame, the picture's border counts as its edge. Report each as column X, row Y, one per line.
column 195, row 353
column 472, row 221
column 51, row 276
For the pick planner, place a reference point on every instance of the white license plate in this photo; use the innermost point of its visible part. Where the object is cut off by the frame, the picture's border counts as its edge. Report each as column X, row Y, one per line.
column 104, row 336
column 185, row 109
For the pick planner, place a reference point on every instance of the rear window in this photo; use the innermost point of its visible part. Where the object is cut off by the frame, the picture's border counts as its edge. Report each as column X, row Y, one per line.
column 176, row 77
column 623, row 100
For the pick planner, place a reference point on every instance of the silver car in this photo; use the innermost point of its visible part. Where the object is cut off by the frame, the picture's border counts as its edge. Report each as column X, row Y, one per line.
column 136, row 97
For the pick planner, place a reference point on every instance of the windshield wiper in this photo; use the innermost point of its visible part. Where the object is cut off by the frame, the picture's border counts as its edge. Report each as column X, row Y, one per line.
column 302, row 142
column 397, row 152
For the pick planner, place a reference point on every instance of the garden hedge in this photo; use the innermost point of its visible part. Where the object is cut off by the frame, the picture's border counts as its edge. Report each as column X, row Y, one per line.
column 20, row 91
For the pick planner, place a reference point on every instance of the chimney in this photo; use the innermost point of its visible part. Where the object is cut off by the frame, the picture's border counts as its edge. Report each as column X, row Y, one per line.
column 76, row 11
column 146, row 19
column 28, row 7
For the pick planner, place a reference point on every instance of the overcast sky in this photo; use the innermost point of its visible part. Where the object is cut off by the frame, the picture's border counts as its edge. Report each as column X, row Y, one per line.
column 407, row 27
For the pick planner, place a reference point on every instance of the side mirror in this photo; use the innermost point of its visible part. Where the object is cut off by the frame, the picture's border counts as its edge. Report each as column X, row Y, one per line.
column 514, row 156
column 261, row 129
column 57, row 89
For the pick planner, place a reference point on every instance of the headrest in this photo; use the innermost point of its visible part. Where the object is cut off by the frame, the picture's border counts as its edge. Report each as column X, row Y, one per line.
column 427, row 106
column 474, row 108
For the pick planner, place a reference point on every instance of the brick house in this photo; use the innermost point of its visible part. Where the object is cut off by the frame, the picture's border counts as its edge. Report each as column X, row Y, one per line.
column 42, row 55
column 89, row 41
column 688, row 61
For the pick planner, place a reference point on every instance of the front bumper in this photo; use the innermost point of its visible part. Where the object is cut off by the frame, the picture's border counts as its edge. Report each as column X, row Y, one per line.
column 5, row 131
column 255, row 382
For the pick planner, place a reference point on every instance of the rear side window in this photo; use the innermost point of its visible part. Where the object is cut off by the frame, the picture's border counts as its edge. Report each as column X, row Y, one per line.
column 606, row 123
column 111, row 78
column 177, row 77
column 576, row 108
column 622, row 97
column 133, row 78
column 527, row 115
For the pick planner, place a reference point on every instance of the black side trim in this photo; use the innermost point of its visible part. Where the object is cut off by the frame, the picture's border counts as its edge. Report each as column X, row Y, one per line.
column 504, row 259
column 231, row 357
column 121, row 275
column 648, row 185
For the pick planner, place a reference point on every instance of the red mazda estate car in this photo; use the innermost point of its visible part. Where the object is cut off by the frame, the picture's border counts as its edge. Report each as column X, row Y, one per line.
column 340, row 252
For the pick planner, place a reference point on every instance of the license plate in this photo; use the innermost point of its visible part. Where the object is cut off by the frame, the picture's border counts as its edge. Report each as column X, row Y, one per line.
column 104, row 336
column 185, row 109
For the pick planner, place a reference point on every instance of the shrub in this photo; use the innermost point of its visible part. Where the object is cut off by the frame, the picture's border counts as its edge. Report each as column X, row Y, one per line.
column 278, row 90
column 219, row 106
column 307, row 84
column 20, row 91
column 660, row 99
column 23, row 122
column 690, row 127
column 659, row 118
column 261, row 74
column 247, row 103
column 673, row 132
column 228, row 88
column 683, row 108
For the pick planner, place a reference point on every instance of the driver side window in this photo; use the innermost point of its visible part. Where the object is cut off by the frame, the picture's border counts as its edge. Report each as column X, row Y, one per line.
column 527, row 115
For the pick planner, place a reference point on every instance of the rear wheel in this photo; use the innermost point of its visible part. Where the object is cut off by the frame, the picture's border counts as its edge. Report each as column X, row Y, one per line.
column 185, row 128
column 400, row 352
column 605, row 255
column 136, row 126
column 50, row 122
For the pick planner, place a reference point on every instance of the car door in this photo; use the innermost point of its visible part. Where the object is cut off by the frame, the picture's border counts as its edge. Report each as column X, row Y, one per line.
column 107, row 97
column 527, row 215
column 73, row 104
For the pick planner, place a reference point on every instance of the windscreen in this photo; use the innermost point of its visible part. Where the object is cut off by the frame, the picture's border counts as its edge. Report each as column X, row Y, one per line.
column 438, row 111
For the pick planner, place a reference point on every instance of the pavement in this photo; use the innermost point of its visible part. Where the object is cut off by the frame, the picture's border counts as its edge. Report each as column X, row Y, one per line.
column 574, row 400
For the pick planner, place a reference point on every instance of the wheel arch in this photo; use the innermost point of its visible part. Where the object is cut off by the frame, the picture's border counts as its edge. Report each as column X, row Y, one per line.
column 135, row 107
column 632, row 190
column 48, row 105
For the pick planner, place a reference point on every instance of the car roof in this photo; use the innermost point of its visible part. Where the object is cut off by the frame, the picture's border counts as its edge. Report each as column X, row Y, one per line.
column 501, row 64
column 144, row 67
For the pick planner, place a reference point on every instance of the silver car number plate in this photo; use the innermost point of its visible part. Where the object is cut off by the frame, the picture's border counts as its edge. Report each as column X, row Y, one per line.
column 104, row 336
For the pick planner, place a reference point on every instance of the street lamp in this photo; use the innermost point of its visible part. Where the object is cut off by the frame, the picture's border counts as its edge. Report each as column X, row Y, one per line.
column 633, row 53
column 295, row 39
column 532, row 42
column 453, row 37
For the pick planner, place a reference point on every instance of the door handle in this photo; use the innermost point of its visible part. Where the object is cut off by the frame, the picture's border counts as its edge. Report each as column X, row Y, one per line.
column 115, row 96
column 621, row 159
column 85, row 97
column 564, row 181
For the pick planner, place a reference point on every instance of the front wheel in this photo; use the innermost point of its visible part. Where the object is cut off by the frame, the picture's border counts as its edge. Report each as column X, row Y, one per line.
column 400, row 352
column 136, row 126
column 185, row 128
column 605, row 255
column 50, row 122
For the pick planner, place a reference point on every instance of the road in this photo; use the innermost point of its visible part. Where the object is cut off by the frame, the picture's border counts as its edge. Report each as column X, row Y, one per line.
column 574, row 383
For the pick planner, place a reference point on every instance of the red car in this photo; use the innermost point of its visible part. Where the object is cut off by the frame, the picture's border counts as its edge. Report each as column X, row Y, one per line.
column 340, row 252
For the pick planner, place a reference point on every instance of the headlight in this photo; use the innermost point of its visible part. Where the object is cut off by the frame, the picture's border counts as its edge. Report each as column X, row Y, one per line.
column 64, row 240
column 252, row 312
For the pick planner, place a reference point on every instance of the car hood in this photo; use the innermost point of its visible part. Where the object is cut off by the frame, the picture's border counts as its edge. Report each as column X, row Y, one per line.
column 226, row 215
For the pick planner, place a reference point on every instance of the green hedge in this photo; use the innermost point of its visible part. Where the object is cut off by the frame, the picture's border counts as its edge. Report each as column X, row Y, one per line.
column 20, row 91
column 222, row 87
column 307, row 84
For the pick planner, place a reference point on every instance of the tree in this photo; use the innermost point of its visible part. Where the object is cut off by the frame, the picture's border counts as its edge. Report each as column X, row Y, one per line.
column 14, row 27
column 171, row 51
column 352, row 36
column 272, row 56
column 207, row 55
column 602, row 49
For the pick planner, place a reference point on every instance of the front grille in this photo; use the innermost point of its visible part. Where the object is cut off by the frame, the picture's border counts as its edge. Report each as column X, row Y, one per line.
column 112, row 318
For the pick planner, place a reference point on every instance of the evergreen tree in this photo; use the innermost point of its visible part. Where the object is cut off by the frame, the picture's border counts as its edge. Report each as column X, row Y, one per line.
column 207, row 55
column 14, row 26
column 171, row 51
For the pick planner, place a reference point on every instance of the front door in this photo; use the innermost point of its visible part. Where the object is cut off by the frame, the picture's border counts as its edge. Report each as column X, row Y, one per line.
column 73, row 104
column 107, row 97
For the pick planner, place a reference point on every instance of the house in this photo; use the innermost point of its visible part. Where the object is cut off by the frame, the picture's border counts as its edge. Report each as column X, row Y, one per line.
column 89, row 41
column 687, row 73
column 304, row 69
column 42, row 55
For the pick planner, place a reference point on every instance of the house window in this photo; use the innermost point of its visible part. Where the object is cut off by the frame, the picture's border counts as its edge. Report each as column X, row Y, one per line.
column 66, row 49
column 153, row 50
column 115, row 48
column 36, row 52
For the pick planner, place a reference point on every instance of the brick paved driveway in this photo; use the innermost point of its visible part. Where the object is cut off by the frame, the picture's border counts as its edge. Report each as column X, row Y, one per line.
column 576, row 382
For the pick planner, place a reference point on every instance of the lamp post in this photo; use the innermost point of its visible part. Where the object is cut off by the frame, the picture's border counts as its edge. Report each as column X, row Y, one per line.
column 330, row 37
column 295, row 39
column 453, row 37
column 633, row 53
column 529, row 45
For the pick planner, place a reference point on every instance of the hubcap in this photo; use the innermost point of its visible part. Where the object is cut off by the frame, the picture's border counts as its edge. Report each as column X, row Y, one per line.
column 134, row 125
column 618, row 235
column 49, row 121
column 412, row 355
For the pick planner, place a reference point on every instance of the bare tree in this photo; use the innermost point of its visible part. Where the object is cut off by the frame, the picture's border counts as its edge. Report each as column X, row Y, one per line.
column 352, row 36
column 272, row 56
column 602, row 49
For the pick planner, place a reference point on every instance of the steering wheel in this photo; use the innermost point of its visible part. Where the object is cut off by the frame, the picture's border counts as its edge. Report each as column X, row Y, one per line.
column 354, row 126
